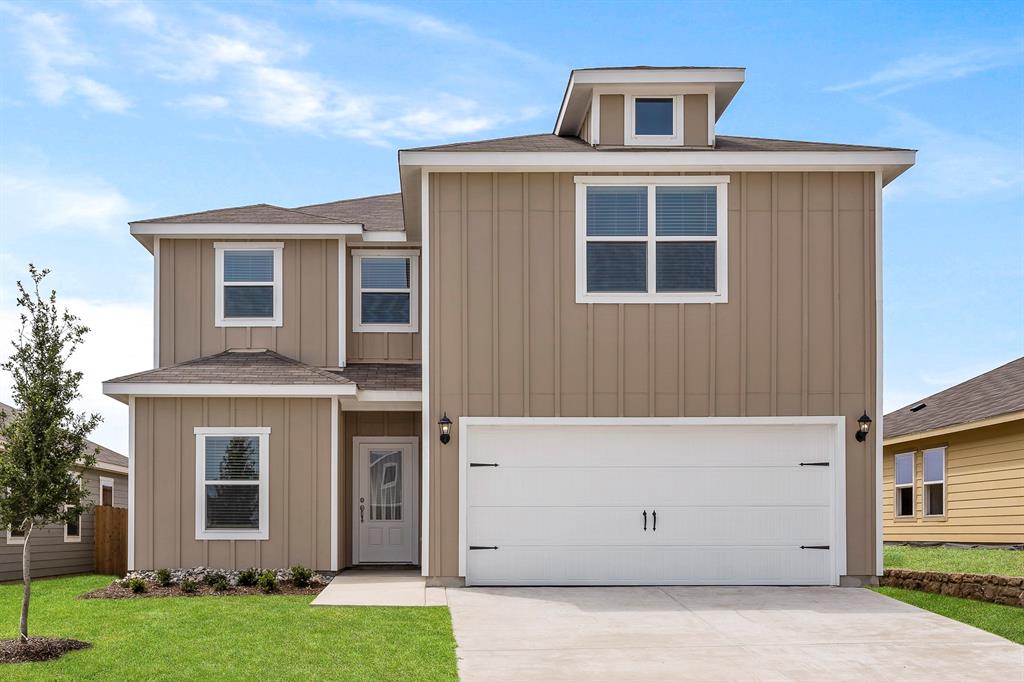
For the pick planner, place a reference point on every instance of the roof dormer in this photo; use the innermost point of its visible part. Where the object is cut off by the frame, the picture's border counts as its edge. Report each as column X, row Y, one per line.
column 647, row 106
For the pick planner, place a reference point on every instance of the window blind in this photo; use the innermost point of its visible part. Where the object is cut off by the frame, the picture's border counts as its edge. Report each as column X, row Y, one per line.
column 686, row 266
column 385, row 273
column 617, row 266
column 616, row 211
column 249, row 266
column 235, row 505
column 249, row 301
column 686, row 211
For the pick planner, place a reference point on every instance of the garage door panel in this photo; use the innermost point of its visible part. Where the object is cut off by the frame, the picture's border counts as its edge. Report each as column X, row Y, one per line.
column 508, row 527
column 604, row 565
column 575, row 446
column 662, row 486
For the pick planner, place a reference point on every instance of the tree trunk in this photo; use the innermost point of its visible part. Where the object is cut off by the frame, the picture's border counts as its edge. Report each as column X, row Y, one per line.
column 26, row 577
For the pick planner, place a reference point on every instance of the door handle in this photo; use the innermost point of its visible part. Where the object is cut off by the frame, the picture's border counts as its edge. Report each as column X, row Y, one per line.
column 654, row 517
column 361, row 513
column 645, row 519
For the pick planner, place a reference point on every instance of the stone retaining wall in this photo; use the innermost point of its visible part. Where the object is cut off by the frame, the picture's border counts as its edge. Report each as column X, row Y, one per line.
column 994, row 588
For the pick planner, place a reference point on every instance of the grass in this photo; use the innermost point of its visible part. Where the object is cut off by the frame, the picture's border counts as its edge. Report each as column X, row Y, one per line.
column 227, row 638
column 950, row 560
column 999, row 619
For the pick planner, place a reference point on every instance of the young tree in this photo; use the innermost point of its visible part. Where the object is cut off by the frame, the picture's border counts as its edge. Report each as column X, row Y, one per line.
column 44, row 439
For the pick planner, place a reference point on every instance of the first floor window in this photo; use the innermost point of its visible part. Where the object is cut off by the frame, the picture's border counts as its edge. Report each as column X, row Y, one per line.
column 934, row 481
column 106, row 491
column 73, row 527
column 15, row 536
column 651, row 240
column 248, row 287
column 904, row 497
column 231, row 483
column 385, row 293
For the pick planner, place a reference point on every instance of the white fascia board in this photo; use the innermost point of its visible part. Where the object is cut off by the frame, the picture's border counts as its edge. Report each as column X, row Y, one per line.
column 211, row 230
column 709, row 75
column 385, row 236
column 390, row 396
column 140, row 390
column 795, row 420
column 104, row 466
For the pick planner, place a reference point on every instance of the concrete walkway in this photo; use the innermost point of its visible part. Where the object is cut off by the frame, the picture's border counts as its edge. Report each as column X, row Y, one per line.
column 380, row 588
column 715, row 634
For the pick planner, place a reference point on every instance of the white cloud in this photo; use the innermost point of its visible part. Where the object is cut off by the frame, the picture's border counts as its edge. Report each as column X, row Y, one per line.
column 203, row 103
column 55, row 62
column 952, row 165
column 120, row 342
column 920, row 69
column 35, row 201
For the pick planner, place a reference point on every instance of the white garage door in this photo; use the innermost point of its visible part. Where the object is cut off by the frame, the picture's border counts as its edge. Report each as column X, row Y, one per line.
column 589, row 502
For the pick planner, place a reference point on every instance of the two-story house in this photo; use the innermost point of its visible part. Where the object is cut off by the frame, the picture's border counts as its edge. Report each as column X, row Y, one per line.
column 631, row 351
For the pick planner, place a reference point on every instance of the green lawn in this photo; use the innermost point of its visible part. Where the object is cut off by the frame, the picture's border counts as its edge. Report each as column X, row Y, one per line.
column 999, row 619
column 949, row 560
column 227, row 637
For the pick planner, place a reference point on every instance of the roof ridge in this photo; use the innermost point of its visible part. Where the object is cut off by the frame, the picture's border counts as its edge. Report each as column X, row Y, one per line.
column 341, row 201
column 262, row 204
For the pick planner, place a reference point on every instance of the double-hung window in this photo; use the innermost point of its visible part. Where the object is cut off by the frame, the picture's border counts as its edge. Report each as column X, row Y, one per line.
column 385, row 298
column 248, row 288
column 903, row 499
column 73, row 527
column 934, row 481
column 651, row 240
column 232, row 483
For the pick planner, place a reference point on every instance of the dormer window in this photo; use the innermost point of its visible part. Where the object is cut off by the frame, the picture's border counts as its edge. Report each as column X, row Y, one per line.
column 654, row 120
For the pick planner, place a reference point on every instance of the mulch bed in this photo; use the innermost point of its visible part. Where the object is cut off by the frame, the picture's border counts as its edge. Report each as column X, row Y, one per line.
column 115, row 591
column 38, row 649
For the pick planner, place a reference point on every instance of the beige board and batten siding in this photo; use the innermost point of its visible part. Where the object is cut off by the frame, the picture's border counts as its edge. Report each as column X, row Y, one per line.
column 613, row 125
column 299, row 478
column 796, row 337
column 51, row 555
column 309, row 332
column 363, row 424
column 984, row 488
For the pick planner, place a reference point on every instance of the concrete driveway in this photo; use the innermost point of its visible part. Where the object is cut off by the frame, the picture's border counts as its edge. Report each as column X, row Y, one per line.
column 714, row 634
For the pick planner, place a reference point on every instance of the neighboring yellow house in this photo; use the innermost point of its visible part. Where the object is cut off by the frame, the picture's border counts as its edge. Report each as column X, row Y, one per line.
column 953, row 467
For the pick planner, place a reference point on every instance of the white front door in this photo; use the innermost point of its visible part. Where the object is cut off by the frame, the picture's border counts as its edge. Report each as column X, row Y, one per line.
column 385, row 502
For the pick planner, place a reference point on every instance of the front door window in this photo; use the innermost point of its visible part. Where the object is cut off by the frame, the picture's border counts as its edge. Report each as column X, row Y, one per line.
column 385, row 485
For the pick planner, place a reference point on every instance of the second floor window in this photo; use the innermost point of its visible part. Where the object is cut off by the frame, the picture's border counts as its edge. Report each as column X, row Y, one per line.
column 651, row 240
column 384, row 298
column 248, row 284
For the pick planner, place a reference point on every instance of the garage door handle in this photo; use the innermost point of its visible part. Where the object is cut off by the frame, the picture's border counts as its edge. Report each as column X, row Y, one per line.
column 814, row 547
column 654, row 516
column 645, row 519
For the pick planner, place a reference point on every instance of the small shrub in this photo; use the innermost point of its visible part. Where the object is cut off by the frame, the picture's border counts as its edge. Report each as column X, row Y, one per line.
column 300, row 575
column 189, row 586
column 214, row 577
column 268, row 581
column 220, row 584
column 248, row 577
column 163, row 577
column 136, row 585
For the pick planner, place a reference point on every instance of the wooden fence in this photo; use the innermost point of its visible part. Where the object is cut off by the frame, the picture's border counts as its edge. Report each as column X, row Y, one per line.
column 111, row 540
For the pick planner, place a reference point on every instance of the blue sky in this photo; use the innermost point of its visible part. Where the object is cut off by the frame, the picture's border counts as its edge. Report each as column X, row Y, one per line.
column 111, row 111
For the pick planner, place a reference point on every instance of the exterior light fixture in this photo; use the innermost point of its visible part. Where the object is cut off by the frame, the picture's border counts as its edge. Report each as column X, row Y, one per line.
column 863, row 427
column 445, row 424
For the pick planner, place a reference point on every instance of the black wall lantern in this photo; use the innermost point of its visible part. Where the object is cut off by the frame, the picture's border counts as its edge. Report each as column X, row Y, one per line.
column 863, row 427
column 445, row 424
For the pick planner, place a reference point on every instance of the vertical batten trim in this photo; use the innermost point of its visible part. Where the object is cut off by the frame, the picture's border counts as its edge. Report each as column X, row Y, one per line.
column 590, row 361
column 526, row 294
column 774, row 255
column 651, row 311
column 286, row 531
column 712, row 357
column 425, row 328
column 869, row 324
column 156, row 303
column 152, row 483
column 805, row 333
column 879, row 358
column 557, row 286
column 621, row 355
column 132, row 450
column 495, row 284
column 260, row 422
column 334, row 482
column 835, row 293
column 743, row 295
column 682, row 359
column 342, row 307
column 464, row 291
column 177, row 478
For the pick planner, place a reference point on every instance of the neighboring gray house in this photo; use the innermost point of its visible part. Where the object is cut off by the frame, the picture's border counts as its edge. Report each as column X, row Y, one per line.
column 59, row 549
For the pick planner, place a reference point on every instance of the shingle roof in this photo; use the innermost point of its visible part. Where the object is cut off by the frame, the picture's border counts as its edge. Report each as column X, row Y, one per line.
column 994, row 393
column 255, row 213
column 103, row 454
column 379, row 376
column 548, row 142
column 382, row 212
column 236, row 367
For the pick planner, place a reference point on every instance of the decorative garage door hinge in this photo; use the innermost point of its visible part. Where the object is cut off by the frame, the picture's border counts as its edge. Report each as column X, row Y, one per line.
column 481, row 464
column 814, row 464
column 482, row 547
column 814, row 547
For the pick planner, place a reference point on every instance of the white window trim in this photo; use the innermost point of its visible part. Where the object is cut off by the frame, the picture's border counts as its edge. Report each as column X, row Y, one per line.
column 720, row 295
column 631, row 138
column 898, row 486
column 13, row 540
column 357, row 290
column 925, row 483
column 74, row 538
column 263, row 433
column 106, row 483
column 219, row 320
